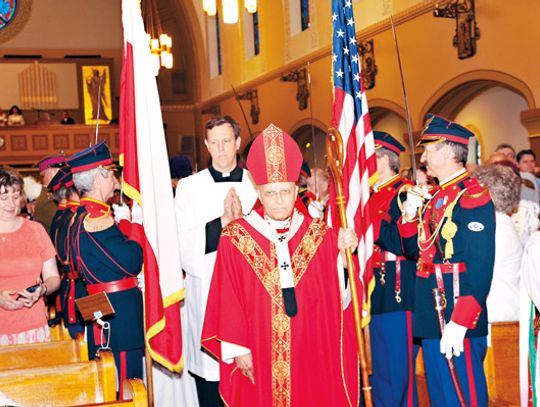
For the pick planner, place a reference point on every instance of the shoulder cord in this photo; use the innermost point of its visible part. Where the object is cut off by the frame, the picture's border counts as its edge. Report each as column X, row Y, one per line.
column 426, row 244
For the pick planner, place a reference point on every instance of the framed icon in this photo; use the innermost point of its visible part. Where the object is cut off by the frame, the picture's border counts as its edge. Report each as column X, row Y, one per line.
column 96, row 94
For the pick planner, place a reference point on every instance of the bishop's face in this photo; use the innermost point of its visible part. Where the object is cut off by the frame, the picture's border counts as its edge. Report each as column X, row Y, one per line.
column 278, row 199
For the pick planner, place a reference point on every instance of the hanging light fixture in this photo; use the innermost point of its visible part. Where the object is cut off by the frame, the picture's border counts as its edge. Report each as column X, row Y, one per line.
column 160, row 43
column 165, row 54
column 210, row 7
column 230, row 9
column 251, row 6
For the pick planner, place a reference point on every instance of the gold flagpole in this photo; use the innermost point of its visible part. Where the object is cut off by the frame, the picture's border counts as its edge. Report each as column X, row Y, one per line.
column 334, row 151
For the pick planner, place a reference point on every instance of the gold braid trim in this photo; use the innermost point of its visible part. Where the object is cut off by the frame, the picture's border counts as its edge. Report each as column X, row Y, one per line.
column 97, row 225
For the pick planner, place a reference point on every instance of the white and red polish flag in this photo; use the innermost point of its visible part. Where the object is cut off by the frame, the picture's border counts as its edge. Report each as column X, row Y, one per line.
column 350, row 115
column 147, row 180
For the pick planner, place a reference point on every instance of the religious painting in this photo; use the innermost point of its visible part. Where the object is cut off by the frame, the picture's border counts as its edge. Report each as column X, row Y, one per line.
column 97, row 94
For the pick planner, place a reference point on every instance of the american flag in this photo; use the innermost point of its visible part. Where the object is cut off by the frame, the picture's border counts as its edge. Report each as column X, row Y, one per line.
column 350, row 115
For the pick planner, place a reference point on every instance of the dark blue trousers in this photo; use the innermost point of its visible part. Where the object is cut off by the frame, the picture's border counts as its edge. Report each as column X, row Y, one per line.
column 470, row 371
column 394, row 355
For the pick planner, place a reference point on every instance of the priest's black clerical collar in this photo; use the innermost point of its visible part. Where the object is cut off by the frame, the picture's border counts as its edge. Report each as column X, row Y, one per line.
column 233, row 176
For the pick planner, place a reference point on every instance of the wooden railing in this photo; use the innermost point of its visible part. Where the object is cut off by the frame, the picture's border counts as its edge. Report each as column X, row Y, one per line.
column 26, row 145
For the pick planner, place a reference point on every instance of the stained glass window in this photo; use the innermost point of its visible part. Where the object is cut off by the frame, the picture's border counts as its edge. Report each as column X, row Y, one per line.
column 304, row 11
column 218, row 40
column 7, row 12
column 256, row 38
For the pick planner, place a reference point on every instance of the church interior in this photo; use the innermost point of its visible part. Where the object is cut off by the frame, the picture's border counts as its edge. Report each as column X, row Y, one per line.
column 471, row 61
column 275, row 67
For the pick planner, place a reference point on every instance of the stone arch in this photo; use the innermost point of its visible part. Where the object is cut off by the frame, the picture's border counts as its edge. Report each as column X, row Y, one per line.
column 451, row 96
column 313, row 151
column 380, row 107
column 194, row 42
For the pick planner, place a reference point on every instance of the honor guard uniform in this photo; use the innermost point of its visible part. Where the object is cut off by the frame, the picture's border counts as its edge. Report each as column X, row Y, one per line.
column 392, row 300
column 45, row 207
column 71, row 287
column 61, row 207
column 108, row 261
column 455, row 239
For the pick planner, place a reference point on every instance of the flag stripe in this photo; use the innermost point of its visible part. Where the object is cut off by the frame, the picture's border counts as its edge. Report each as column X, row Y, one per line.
column 146, row 179
column 351, row 117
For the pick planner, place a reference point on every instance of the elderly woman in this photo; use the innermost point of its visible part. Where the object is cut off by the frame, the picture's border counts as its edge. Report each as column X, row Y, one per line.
column 28, row 257
column 504, row 186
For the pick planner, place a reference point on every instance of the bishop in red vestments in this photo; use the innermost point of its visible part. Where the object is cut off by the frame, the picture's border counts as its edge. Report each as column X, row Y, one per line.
column 277, row 316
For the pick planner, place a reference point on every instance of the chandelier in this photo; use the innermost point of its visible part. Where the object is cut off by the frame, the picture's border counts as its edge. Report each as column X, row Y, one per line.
column 160, row 43
column 229, row 9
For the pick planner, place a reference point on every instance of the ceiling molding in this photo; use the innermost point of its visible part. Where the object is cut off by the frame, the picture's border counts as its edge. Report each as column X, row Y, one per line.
column 375, row 29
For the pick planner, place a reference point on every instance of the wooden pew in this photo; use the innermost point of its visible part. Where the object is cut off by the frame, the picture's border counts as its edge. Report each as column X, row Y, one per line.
column 43, row 354
column 134, row 395
column 70, row 384
column 59, row 331
column 502, row 364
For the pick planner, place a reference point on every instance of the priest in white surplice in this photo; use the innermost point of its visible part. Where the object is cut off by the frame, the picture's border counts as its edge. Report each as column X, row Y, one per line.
column 205, row 203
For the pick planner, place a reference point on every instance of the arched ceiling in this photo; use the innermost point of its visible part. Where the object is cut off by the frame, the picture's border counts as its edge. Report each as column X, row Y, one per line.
column 180, row 84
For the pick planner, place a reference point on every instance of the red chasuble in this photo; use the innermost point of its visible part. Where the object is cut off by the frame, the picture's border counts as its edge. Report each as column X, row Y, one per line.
column 307, row 360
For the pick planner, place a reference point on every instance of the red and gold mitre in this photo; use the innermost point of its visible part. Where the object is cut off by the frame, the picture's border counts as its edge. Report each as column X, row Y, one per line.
column 274, row 157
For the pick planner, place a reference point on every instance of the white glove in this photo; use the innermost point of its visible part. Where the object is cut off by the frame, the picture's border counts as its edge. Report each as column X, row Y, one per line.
column 121, row 212
column 452, row 339
column 316, row 210
column 136, row 213
column 425, row 192
column 140, row 280
column 415, row 199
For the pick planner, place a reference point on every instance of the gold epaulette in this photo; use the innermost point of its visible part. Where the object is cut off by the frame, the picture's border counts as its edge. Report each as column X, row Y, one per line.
column 476, row 193
column 97, row 225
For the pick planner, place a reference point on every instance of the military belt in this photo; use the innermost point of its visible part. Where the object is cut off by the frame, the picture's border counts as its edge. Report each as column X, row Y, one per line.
column 113, row 286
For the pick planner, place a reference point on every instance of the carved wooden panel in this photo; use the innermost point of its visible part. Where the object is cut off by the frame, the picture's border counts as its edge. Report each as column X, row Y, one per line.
column 40, row 142
column 104, row 136
column 82, row 141
column 26, row 145
column 60, row 141
column 18, row 143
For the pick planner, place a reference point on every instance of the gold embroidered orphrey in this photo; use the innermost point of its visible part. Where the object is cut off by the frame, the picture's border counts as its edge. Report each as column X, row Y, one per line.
column 276, row 167
column 267, row 271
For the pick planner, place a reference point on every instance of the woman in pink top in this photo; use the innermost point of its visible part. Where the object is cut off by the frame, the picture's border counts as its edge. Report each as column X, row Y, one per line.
column 27, row 257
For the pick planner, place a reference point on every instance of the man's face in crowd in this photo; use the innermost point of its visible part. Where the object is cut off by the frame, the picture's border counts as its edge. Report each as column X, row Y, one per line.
column 434, row 157
column 107, row 183
column 508, row 153
column 47, row 175
column 527, row 163
column 222, row 146
column 278, row 199
column 318, row 183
